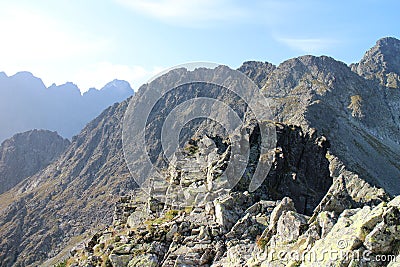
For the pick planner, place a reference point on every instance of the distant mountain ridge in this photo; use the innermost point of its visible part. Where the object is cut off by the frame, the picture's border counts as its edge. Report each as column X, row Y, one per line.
column 26, row 103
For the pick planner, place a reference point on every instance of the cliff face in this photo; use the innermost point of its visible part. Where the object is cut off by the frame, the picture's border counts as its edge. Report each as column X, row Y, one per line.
column 27, row 153
column 335, row 131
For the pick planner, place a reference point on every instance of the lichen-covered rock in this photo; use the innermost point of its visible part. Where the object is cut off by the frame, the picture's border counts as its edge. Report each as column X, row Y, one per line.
column 284, row 205
column 290, row 226
column 381, row 239
column 237, row 254
column 395, row 261
column 326, row 220
column 288, row 239
column 146, row 260
column 356, row 237
column 372, row 231
column 229, row 209
column 395, row 202
column 119, row 260
column 346, row 235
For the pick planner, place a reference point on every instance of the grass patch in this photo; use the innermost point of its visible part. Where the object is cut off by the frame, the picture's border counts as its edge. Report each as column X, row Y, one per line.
column 355, row 106
column 61, row 264
column 188, row 209
column 169, row 215
column 261, row 242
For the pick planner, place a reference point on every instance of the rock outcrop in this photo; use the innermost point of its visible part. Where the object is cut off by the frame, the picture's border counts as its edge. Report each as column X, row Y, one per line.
column 366, row 236
column 237, row 229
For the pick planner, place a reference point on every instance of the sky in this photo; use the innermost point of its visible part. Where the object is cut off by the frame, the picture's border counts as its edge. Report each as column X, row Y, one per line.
column 91, row 42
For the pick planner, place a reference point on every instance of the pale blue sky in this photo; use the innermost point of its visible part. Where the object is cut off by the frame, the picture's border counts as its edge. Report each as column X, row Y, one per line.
column 91, row 42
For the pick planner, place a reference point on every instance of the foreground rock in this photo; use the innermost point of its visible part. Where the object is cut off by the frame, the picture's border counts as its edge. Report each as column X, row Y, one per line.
column 266, row 233
column 241, row 228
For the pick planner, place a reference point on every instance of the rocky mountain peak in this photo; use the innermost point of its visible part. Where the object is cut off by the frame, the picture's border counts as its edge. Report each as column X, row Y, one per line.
column 65, row 90
column 381, row 63
column 257, row 71
column 388, row 42
column 304, row 73
column 24, row 154
column 113, row 87
column 24, row 74
column 26, row 78
column 3, row 75
column 118, row 84
column 321, row 74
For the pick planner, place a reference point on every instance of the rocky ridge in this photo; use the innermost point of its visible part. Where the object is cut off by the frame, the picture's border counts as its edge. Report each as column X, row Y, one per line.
column 353, row 218
column 326, row 162
column 322, row 93
column 238, row 230
column 257, row 71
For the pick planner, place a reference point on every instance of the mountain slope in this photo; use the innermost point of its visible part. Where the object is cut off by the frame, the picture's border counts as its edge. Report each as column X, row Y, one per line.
column 354, row 114
column 25, row 154
column 70, row 196
column 25, row 104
